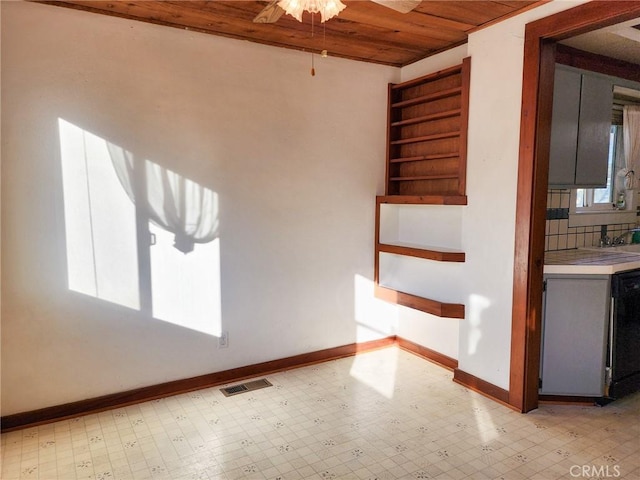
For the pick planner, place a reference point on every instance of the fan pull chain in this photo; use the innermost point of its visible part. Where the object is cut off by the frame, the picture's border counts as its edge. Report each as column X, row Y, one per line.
column 313, row 70
column 324, row 40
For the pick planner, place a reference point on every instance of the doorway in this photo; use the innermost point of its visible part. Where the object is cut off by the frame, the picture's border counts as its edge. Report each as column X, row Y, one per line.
column 533, row 168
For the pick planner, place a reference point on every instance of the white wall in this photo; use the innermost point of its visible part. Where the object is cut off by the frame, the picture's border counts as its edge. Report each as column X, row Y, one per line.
column 485, row 282
column 441, row 61
column 492, row 174
column 296, row 162
column 424, row 226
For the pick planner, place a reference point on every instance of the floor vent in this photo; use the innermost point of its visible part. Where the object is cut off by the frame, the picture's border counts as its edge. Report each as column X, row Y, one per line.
column 245, row 387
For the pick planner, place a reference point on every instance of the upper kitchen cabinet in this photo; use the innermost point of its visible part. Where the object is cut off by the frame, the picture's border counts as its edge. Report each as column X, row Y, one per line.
column 580, row 129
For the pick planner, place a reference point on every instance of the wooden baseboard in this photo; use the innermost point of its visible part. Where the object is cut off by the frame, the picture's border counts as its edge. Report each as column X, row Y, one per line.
column 428, row 354
column 117, row 400
column 139, row 395
column 482, row 387
column 567, row 400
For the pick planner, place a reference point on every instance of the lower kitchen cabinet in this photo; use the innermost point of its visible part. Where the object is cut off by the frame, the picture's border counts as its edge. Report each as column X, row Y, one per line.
column 574, row 335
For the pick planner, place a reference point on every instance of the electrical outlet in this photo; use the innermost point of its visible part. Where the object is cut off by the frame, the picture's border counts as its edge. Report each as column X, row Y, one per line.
column 223, row 341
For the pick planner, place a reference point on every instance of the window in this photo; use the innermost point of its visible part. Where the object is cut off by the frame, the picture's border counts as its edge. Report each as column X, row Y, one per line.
column 596, row 206
column 594, row 199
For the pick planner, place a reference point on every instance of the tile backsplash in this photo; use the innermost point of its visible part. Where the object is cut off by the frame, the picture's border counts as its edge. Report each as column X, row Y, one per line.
column 560, row 236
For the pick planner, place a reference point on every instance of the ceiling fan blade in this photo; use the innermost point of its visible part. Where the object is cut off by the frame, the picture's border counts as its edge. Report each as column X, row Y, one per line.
column 269, row 14
column 402, row 6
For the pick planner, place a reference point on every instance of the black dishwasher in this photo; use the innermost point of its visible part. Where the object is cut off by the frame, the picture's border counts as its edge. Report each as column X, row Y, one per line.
column 624, row 334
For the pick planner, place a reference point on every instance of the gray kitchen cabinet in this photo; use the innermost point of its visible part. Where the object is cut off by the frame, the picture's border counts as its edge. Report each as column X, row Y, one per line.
column 574, row 335
column 580, row 129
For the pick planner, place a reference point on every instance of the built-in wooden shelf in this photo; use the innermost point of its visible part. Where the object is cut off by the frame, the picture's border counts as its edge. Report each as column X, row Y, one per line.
column 433, row 307
column 426, row 138
column 428, row 253
column 426, row 165
column 426, row 98
column 427, row 134
column 420, row 158
column 422, row 177
column 426, row 118
column 439, row 254
column 423, row 199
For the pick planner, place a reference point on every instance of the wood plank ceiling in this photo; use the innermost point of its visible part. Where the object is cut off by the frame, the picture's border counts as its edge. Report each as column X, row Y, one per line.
column 364, row 31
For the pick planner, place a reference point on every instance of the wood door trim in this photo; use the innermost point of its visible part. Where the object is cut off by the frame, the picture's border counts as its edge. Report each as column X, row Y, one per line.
column 533, row 165
column 573, row 57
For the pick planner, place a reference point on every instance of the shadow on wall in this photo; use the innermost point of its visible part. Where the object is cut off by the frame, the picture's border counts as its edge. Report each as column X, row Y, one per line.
column 139, row 235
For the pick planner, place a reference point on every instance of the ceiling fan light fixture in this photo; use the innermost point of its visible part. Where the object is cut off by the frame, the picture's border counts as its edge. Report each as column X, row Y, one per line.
column 327, row 8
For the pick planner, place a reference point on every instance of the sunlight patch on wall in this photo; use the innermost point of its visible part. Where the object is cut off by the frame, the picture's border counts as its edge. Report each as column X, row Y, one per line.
column 139, row 235
column 477, row 305
column 186, row 288
column 374, row 317
column 100, row 221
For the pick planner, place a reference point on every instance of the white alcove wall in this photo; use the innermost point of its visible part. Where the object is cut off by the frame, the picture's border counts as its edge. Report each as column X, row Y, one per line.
column 435, row 227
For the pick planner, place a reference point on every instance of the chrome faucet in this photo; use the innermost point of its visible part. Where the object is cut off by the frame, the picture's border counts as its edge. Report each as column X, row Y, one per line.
column 620, row 239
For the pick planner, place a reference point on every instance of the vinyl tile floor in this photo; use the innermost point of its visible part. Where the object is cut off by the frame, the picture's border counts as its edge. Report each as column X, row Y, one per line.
column 385, row 414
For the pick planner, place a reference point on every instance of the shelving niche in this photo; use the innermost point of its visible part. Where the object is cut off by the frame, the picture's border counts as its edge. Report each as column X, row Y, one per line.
column 426, row 165
column 427, row 131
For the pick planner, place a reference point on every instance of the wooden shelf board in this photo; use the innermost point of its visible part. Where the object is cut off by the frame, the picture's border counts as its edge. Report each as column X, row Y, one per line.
column 427, row 118
column 424, row 177
column 428, row 253
column 418, row 158
column 439, row 309
column 455, row 70
column 423, row 199
column 450, row 92
column 426, row 138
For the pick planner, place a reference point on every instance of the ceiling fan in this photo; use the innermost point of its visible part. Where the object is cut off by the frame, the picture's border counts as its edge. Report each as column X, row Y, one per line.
column 272, row 12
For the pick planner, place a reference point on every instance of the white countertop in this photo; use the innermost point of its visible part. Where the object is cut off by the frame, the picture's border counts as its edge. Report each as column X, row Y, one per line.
column 590, row 261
